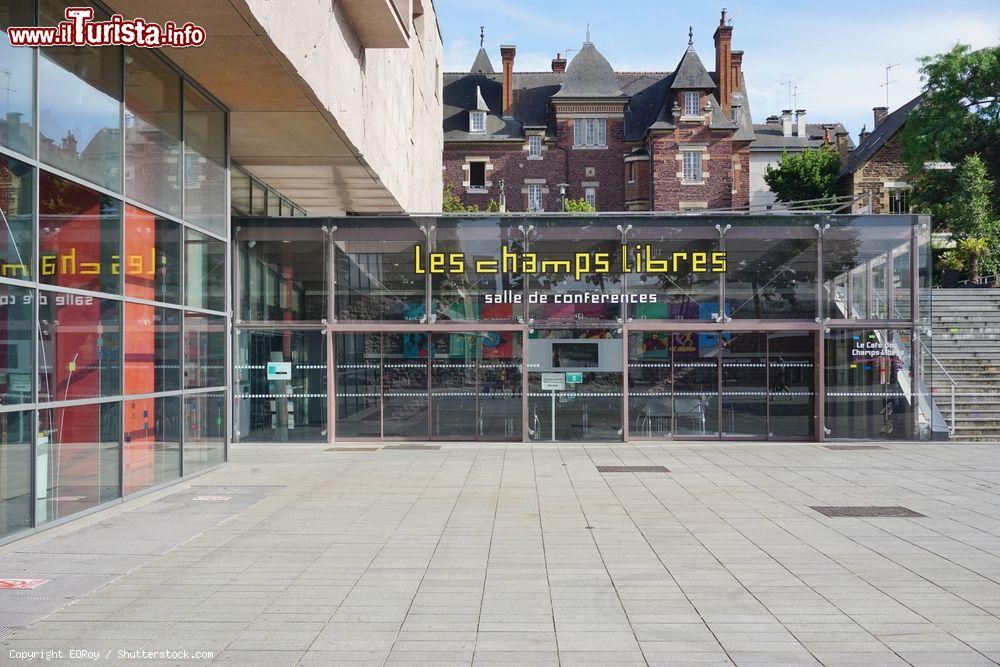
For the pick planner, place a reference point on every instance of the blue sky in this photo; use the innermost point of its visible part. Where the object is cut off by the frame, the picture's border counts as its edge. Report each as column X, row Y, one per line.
column 836, row 52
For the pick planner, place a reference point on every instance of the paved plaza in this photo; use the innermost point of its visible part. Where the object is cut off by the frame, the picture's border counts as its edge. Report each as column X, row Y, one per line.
column 531, row 554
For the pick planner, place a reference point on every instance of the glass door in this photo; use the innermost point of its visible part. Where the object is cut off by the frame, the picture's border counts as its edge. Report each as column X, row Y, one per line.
column 743, row 360
column 358, row 385
column 696, row 383
column 650, row 385
column 454, row 382
column 791, row 382
column 405, row 388
column 500, row 386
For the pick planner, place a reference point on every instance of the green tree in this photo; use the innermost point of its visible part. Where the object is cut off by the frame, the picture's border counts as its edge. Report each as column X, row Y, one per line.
column 451, row 203
column 580, row 205
column 811, row 174
column 974, row 251
column 959, row 112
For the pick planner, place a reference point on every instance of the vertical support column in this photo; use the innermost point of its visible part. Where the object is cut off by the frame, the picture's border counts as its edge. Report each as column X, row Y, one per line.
column 330, row 267
column 914, row 324
column 525, row 342
column 819, row 344
column 625, row 319
column 331, row 387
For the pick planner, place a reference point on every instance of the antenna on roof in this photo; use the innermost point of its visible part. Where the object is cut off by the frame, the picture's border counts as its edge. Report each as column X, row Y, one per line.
column 790, row 83
column 795, row 96
column 887, row 82
column 730, row 21
column 482, row 35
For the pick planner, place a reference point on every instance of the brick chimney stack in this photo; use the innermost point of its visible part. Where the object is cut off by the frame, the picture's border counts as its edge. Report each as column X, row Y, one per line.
column 880, row 114
column 842, row 147
column 507, row 53
column 723, row 63
column 559, row 63
column 737, row 70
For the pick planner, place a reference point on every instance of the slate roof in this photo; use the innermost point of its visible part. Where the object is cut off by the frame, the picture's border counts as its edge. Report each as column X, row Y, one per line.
column 881, row 134
column 589, row 75
column 769, row 137
column 482, row 64
column 691, row 74
column 645, row 107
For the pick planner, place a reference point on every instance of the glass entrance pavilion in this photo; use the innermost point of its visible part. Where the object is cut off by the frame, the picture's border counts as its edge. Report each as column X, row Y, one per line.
column 574, row 328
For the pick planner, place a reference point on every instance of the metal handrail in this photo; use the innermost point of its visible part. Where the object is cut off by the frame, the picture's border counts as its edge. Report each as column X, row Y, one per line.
column 951, row 381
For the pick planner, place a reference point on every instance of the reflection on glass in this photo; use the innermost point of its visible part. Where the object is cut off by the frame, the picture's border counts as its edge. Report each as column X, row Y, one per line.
column 258, row 199
column 204, row 429
column 152, row 349
column 404, row 385
column 454, row 386
column 152, row 262
column 857, row 252
column 152, row 442
column 359, row 385
column 682, row 293
column 15, row 471
column 867, row 384
column 377, row 276
column 284, row 280
column 17, row 317
column 239, row 192
column 463, row 296
column 17, row 80
column 80, row 344
column 204, row 162
column 16, row 222
column 78, row 239
column 771, row 273
column 204, row 350
column 152, row 131
column 272, row 409
column 205, row 271
column 744, row 384
column 79, row 99
column 566, row 291
column 76, row 459
column 500, row 386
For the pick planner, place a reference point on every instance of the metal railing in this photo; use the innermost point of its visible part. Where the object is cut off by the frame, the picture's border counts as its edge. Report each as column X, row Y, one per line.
column 951, row 381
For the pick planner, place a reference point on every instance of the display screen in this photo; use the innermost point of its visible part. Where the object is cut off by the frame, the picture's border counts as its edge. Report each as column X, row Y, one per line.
column 574, row 355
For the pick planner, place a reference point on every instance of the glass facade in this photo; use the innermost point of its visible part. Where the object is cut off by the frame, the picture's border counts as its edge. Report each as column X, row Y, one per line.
column 114, row 228
column 495, row 327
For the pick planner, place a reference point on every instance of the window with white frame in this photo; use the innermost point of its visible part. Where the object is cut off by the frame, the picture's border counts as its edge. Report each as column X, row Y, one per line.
column 899, row 200
column 590, row 194
column 691, row 103
column 590, row 132
column 534, row 145
column 534, row 197
column 735, row 115
column 631, row 172
column 477, row 122
column 692, row 166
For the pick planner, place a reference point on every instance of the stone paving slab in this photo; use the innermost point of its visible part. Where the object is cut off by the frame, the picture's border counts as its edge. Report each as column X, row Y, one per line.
column 529, row 554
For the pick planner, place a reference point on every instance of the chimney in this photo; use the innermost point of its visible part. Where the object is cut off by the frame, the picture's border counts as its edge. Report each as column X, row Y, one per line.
column 507, row 53
column 880, row 114
column 842, row 147
column 863, row 134
column 786, row 122
column 827, row 142
column 772, row 120
column 800, row 122
column 737, row 68
column 723, row 63
column 558, row 63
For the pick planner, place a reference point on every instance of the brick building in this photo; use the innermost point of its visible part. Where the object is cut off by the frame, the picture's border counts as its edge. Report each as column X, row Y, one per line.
column 876, row 166
column 664, row 141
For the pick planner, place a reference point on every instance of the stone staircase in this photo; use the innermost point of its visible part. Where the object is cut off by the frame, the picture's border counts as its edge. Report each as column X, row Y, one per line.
column 966, row 340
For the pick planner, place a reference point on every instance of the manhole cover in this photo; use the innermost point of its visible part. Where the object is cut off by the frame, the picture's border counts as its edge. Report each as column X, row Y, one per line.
column 866, row 511
column 846, row 447
column 21, row 584
column 412, row 447
column 631, row 469
column 352, row 449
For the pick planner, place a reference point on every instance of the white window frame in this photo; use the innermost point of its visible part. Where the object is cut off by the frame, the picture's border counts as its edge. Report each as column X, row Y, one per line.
column 735, row 115
column 477, row 122
column 692, row 103
column 631, row 172
column 590, row 133
column 534, row 145
column 903, row 193
column 535, row 198
column 590, row 194
column 692, row 166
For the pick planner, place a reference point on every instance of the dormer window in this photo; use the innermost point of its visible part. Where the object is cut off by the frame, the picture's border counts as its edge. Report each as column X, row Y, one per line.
column 736, row 115
column 691, row 103
column 534, row 146
column 477, row 122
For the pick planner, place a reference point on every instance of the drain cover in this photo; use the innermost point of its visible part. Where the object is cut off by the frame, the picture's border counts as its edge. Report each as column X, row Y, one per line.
column 866, row 511
column 412, row 447
column 842, row 447
column 352, row 449
column 631, row 469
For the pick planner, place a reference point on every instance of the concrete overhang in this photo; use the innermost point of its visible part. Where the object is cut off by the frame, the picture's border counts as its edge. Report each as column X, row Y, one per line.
column 379, row 23
column 279, row 129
